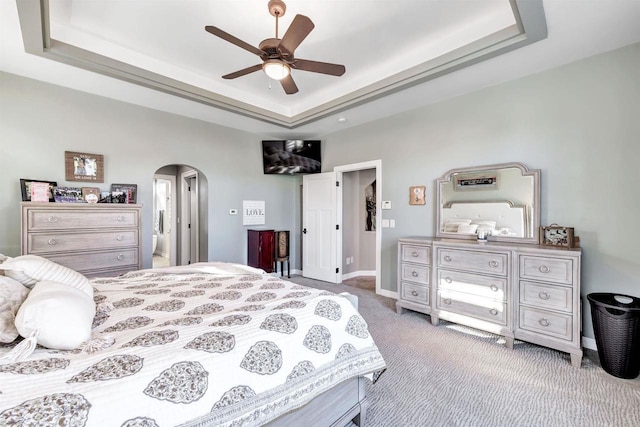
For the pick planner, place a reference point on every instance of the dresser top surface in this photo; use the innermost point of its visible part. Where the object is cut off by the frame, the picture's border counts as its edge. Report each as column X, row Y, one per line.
column 473, row 244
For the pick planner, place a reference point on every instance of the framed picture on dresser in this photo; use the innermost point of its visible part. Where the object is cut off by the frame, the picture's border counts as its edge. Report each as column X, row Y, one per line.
column 25, row 188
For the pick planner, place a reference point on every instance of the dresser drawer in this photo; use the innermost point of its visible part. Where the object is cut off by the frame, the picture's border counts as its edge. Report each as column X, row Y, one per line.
column 97, row 260
column 557, row 270
column 73, row 219
column 416, row 254
column 475, row 284
column 481, row 262
column 415, row 273
column 546, row 296
column 469, row 305
column 415, row 293
column 49, row 242
column 546, row 322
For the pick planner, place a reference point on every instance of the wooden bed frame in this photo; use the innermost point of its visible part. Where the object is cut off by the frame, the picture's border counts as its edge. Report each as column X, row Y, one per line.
column 335, row 408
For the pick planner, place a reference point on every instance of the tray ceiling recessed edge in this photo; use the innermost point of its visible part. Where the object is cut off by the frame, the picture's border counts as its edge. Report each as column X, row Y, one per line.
column 530, row 27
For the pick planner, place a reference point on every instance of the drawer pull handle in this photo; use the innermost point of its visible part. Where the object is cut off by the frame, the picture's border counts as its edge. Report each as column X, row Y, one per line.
column 414, row 273
column 52, row 242
column 120, row 238
column 448, row 279
column 493, row 311
column 544, row 269
column 543, row 295
column 544, row 322
column 120, row 257
column 494, row 288
column 52, row 219
column 447, row 258
column 119, row 218
column 415, row 254
column 493, row 264
column 447, row 301
column 414, row 293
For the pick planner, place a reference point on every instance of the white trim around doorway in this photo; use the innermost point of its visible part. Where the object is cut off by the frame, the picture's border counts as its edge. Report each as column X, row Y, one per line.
column 377, row 165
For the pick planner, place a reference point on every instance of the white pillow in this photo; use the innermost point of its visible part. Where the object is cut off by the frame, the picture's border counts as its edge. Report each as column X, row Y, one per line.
column 467, row 229
column 451, row 225
column 12, row 294
column 61, row 315
column 30, row 269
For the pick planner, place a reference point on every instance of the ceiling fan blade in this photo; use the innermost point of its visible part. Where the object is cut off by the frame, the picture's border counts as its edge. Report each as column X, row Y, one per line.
column 231, row 39
column 297, row 31
column 289, row 85
column 318, row 67
column 243, row 72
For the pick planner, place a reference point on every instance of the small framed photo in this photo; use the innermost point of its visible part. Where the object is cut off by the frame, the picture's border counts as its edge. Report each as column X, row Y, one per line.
column 130, row 192
column 68, row 195
column 417, row 195
column 91, row 194
column 476, row 181
column 25, row 187
column 83, row 167
column 558, row 236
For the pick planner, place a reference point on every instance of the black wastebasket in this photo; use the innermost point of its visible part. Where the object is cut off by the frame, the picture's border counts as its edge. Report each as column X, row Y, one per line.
column 616, row 323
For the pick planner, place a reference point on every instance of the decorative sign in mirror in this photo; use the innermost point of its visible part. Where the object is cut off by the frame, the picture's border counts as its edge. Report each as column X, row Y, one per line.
column 501, row 202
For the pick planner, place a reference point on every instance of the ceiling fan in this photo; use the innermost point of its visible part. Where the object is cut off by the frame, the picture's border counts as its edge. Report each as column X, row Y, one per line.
column 278, row 54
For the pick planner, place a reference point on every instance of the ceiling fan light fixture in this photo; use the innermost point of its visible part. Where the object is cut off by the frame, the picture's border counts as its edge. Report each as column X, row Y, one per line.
column 276, row 69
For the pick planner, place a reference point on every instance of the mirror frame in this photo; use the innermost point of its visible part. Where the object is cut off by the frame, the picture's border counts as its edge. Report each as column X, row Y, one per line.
column 525, row 171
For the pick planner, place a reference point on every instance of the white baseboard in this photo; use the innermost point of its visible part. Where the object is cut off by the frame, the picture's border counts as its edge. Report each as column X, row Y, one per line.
column 589, row 343
column 361, row 273
column 388, row 294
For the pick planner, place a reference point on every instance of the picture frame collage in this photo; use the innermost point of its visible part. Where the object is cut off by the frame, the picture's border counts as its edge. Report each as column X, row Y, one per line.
column 79, row 167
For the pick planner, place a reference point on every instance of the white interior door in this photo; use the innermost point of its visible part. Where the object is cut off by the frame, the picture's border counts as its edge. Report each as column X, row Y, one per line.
column 319, row 221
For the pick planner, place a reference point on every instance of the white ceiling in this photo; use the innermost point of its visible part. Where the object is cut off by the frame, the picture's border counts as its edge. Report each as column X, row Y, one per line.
column 377, row 42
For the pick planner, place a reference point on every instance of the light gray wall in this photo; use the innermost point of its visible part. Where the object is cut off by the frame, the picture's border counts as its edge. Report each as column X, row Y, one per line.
column 366, row 260
column 350, row 220
column 579, row 124
column 356, row 242
column 40, row 121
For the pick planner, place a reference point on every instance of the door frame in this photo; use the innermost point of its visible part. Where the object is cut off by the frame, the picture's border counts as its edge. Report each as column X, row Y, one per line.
column 173, row 235
column 185, row 206
column 377, row 165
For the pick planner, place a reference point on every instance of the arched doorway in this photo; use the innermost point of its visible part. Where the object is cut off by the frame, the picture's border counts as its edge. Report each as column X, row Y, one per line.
column 180, row 217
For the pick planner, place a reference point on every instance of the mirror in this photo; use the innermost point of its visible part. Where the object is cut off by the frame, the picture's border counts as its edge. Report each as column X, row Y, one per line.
column 500, row 201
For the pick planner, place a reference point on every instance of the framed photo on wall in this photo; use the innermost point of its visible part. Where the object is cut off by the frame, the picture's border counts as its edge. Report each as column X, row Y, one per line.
column 417, row 195
column 25, row 188
column 83, row 167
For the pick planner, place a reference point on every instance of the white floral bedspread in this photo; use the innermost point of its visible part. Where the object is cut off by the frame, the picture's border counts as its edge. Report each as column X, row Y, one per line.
column 209, row 344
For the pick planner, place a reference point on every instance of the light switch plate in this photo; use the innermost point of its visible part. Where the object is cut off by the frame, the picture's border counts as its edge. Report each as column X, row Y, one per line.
column 386, row 204
column 385, row 223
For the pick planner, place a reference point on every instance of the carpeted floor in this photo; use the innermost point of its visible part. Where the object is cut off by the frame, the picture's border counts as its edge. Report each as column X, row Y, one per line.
column 452, row 375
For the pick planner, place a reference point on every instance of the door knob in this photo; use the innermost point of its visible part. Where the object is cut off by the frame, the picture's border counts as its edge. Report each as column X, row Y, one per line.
column 304, row 231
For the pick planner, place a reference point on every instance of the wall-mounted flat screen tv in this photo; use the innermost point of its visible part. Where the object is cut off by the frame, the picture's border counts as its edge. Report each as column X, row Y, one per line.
column 291, row 156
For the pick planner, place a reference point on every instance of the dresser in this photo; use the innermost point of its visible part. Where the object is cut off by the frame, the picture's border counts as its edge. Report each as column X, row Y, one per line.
column 519, row 291
column 414, row 275
column 261, row 249
column 93, row 239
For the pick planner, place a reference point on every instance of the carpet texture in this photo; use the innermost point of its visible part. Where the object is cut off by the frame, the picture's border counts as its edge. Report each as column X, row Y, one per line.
column 451, row 375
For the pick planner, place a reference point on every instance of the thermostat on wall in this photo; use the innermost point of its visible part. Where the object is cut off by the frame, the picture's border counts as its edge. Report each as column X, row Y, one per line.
column 386, row 204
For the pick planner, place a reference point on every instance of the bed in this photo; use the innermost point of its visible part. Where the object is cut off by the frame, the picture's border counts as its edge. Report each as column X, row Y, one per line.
column 207, row 344
column 507, row 219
